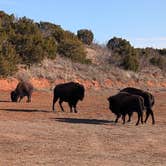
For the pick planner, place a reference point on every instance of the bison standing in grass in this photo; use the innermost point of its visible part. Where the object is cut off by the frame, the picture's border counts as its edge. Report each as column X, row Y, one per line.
column 124, row 103
column 70, row 92
column 148, row 100
column 23, row 89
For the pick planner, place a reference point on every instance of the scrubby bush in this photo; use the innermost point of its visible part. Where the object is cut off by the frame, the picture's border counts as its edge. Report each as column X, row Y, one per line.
column 31, row 46
column 32, row 42
column 8, row 59
column 159, row 61
column 119, row 46
column 131, row 61
column 162, row 51
column 25, row 26
column 85, row 35
column 50, row 47
column 52, row 30
column 73, row 49
column 22, row 39
column 124, row 53
column 28, row 48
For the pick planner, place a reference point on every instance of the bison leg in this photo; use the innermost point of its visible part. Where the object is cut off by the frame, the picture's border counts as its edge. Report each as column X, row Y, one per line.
column 60, row 103
column 147, row 115
column 29, row 99
column 148, row 112
column 124, row 118
column 142, row 118
column 21, row 97
column 70, row 105
column 139, row 117
column 117, row 117
column 153, row 121
column 74, row 105
column 53, row 103
column 75, row 110
column 129, row 114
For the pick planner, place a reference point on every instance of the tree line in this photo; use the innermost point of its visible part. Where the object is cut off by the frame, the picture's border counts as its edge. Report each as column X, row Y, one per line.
column 23, row 41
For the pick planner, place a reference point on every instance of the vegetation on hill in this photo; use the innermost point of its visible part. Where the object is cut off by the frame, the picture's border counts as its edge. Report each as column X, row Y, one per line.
column 130, row 58
column 86, row 36
column 22, row 41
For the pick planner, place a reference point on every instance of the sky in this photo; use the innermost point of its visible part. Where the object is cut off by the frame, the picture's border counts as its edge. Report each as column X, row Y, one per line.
column 141, row 22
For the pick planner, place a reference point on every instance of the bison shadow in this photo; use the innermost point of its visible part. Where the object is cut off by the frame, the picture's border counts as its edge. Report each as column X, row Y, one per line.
column 24, row 110
column 84, row 121
column 5, row 101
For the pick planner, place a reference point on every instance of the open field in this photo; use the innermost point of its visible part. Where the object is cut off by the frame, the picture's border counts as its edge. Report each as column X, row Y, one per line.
column 31, row 134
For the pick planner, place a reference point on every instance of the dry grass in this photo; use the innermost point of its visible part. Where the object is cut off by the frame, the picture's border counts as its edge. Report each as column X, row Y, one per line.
column 31, row 134
column 100, row 70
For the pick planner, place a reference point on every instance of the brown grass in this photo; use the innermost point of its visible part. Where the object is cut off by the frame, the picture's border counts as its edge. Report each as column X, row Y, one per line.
column 31, row 134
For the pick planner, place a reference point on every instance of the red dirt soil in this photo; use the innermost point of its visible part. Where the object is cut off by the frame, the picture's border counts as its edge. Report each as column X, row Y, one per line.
column 31, row 134
column 42, row 83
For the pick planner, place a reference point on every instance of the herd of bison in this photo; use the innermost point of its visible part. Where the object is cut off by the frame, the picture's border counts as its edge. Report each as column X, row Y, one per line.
column 125, row 102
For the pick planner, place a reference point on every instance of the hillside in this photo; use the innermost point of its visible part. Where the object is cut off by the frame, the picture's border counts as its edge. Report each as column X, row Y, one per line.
column 46, row 55
column 98, row 75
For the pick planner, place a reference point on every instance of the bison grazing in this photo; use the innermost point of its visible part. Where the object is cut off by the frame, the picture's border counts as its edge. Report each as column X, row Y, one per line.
column 124, row 103
column 23, row 89
column 148, row 100
column 69, row 92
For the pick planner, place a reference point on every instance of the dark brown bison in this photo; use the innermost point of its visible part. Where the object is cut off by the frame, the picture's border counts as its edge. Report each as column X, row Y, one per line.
column 69, row 92
column 23, row 89
column 124, row 103
column 148, row 100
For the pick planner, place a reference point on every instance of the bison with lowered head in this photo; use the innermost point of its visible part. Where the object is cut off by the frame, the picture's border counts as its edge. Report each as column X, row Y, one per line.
column 124, row 103
column 23, row 89
column 148, row 100
column 70, row 92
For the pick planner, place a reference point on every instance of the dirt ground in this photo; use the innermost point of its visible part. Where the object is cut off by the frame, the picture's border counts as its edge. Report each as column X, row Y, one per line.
column 31, row 134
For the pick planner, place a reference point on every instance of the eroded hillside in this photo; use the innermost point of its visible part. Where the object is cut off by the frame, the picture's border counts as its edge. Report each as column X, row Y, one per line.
column 99, row 74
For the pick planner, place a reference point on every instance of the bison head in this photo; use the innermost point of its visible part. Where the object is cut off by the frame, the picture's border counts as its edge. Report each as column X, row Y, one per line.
column 112, row 103
column 14, row 96
column 81, row 97
column 82, row 90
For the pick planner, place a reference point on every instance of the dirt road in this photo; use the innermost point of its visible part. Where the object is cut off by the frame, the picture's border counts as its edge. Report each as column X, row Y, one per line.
column 31, row 134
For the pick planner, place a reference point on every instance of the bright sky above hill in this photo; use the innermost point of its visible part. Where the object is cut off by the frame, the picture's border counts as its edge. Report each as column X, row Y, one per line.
column 142, row 22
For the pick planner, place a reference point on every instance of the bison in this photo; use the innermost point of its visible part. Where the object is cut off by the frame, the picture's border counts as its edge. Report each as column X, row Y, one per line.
column 23, row 89
column 69, row 92
column 124, row 103
column 148, row 100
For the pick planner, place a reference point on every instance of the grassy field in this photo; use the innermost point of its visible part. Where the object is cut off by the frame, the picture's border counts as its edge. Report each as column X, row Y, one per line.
column 31, row 134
